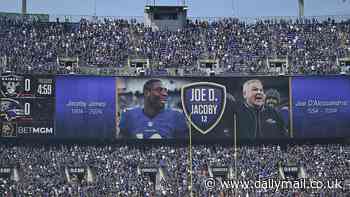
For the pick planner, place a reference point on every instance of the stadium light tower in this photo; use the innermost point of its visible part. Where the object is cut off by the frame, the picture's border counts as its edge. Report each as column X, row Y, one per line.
column 94, row 7
column 301, row 8
column 24, row 6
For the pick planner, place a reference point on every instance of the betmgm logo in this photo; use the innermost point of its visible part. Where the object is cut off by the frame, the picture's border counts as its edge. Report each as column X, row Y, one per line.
column 203, row 104
column 8, row 130
column 11, row 129
column 23, row 130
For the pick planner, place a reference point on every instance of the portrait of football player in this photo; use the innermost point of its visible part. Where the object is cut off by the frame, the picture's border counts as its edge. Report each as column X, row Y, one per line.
column 153, row 120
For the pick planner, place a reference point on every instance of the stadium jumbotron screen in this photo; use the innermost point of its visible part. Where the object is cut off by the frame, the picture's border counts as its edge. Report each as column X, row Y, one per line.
column 87, row 107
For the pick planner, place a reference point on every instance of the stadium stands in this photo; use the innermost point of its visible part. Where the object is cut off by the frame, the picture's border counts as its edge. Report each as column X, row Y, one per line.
column 308, row 45
column 116, row 166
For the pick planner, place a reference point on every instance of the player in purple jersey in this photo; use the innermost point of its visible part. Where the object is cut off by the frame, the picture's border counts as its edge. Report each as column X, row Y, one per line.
column 154, row 121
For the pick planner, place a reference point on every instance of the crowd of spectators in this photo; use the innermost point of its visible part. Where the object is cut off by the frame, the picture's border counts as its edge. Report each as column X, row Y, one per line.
column 308, row 45
column 116, row 167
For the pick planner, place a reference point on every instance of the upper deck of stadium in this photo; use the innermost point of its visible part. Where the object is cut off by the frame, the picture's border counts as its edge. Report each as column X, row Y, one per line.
column 106, row 45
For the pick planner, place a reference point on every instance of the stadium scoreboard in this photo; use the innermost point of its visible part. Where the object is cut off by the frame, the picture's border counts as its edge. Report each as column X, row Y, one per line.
column 27, row 105
column 77, row 107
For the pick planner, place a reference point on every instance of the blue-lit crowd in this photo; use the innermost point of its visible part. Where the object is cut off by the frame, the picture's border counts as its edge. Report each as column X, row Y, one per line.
column 116, row 168
column 306, row 45
column 310, row 46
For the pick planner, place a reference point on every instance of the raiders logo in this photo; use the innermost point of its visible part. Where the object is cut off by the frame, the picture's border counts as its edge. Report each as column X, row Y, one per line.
column 11, row 85
column 204, row 104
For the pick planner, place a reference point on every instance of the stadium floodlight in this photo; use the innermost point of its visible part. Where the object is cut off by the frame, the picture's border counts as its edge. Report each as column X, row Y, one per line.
column 24, row 6
column 301, row 8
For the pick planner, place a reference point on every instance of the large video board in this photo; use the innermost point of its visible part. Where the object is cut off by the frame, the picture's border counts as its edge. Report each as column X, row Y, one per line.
column 142, row 108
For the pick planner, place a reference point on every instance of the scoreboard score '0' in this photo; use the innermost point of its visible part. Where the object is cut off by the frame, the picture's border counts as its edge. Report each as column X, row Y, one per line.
column 27, row 109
